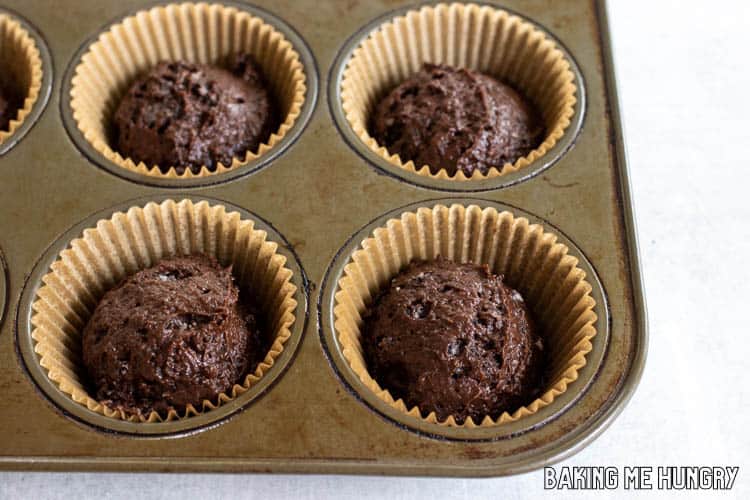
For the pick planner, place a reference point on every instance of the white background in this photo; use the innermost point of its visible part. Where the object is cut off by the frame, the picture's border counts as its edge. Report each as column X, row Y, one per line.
column 684, row 81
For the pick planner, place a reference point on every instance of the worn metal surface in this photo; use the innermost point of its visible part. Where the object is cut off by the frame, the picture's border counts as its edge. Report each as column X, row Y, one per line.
column 317, row 194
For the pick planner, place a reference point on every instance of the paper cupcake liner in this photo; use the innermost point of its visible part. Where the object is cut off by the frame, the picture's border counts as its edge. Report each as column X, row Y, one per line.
column 128, row 242
column 21, row 66
column 481, row 38
column 196, row 32
column 531, row 260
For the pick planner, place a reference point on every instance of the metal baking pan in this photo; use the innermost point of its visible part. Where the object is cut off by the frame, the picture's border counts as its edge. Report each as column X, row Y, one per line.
column 310, row 419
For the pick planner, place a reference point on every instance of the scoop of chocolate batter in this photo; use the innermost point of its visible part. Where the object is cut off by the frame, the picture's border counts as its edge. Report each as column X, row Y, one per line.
column 171, row 335
column 454, row 339
column 4, row 118
column 456, row 119
column 9, row 105
column 189, row 115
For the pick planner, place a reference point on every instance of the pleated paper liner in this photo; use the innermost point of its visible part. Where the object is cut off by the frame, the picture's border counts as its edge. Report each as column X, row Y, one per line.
column 196, row 32
column 21, row 67
column 531, row 260
column 481, row 38
column 138, row 239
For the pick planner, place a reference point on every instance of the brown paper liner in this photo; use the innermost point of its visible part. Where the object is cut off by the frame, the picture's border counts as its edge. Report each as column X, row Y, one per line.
column 532, row 261
column 481, row 38
column 21, row 66
column 128, row 242
column 196, row 32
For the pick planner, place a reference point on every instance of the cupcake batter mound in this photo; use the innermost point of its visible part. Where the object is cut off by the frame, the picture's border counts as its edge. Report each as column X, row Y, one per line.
column 190, row 115
column 456, row 119
column 453, row 339
column 8, row 108
column 169, row 336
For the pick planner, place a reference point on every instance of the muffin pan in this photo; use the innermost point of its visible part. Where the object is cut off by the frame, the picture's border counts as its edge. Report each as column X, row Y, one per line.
column 318, row 196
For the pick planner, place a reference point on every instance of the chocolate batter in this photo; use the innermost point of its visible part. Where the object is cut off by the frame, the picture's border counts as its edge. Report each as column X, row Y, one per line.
column 4, row 115
column 8, row 108
column 189, row 115
column 171, row 335
column 456, row 119
column 452, row 338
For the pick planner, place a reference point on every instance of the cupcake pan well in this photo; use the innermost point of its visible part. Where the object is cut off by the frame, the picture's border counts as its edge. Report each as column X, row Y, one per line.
column 25, row 56
column 99, row 252
column 559, row 286
column 320, row 194
column 209, row 33
column 483, row 38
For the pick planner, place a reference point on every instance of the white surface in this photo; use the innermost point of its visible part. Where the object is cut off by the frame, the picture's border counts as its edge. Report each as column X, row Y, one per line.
column 684, row 81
